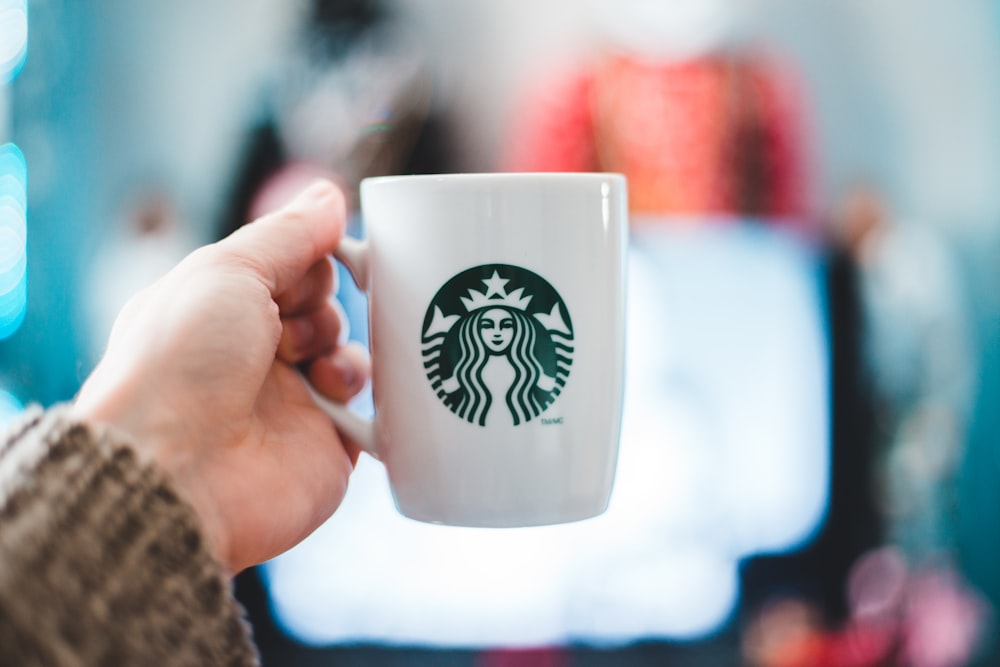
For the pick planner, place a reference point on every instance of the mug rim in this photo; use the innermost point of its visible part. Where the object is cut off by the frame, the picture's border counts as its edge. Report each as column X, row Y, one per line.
column 497, row 176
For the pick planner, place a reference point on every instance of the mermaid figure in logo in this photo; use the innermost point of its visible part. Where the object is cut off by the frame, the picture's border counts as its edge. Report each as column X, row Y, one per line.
column 497, row 355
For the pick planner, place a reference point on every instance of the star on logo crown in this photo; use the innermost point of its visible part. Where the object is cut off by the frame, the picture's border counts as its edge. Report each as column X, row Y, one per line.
column 496, row 295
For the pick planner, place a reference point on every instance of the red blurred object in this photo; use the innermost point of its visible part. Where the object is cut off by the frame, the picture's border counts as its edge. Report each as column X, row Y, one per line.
column 944, row 620
column 539, row 657
column 901, row 617
column 789, row 634
column 718, row 135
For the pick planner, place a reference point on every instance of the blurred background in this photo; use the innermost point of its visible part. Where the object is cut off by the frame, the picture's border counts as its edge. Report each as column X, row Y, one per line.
column 810, row 460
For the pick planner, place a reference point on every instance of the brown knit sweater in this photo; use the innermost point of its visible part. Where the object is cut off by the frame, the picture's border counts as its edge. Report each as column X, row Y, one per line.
column 101, row 563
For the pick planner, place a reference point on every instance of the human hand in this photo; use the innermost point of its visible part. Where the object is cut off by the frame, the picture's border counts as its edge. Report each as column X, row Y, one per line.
column 200, row 371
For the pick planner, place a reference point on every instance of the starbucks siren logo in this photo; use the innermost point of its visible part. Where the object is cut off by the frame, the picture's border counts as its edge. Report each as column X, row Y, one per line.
column 497, row 344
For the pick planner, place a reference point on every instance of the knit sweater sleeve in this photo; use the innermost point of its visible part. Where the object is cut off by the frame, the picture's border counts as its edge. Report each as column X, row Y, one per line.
column 101, row 563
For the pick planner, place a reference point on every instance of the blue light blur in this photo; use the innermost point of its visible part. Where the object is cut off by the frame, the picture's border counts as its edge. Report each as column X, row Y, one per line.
column 13, row 238
column 13, row 38
column 10, row 407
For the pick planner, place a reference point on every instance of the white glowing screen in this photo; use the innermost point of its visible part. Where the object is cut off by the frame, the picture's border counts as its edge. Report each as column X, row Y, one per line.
column 724, row 453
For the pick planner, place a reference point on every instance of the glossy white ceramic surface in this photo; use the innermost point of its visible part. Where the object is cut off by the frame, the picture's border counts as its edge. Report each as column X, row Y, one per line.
column 569, row 229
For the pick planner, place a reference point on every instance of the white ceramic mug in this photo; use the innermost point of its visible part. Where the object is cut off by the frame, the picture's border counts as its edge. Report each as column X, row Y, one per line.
column 496, row 309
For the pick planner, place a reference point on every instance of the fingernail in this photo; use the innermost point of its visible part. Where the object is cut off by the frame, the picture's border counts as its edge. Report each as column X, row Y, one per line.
column 318, row 191
column 348, row 374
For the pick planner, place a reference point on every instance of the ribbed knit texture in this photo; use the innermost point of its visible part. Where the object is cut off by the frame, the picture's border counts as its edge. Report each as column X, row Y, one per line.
column 101, row 563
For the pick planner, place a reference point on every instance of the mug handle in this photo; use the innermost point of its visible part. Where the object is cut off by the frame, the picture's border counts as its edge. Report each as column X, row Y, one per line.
column 354, row 255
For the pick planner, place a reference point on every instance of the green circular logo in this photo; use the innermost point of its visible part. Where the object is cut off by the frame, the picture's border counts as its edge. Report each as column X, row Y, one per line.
column 497, row 344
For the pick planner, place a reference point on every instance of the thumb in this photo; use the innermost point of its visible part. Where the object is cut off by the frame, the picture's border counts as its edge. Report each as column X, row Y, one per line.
column 281, row 246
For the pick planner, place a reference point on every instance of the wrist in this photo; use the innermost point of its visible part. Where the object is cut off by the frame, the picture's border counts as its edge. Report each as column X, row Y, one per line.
column 157, row 441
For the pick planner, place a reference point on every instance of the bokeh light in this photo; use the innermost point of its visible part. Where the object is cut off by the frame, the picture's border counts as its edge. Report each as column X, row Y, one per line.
column 13, row 37
column 10, row 407
column 13, row 239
